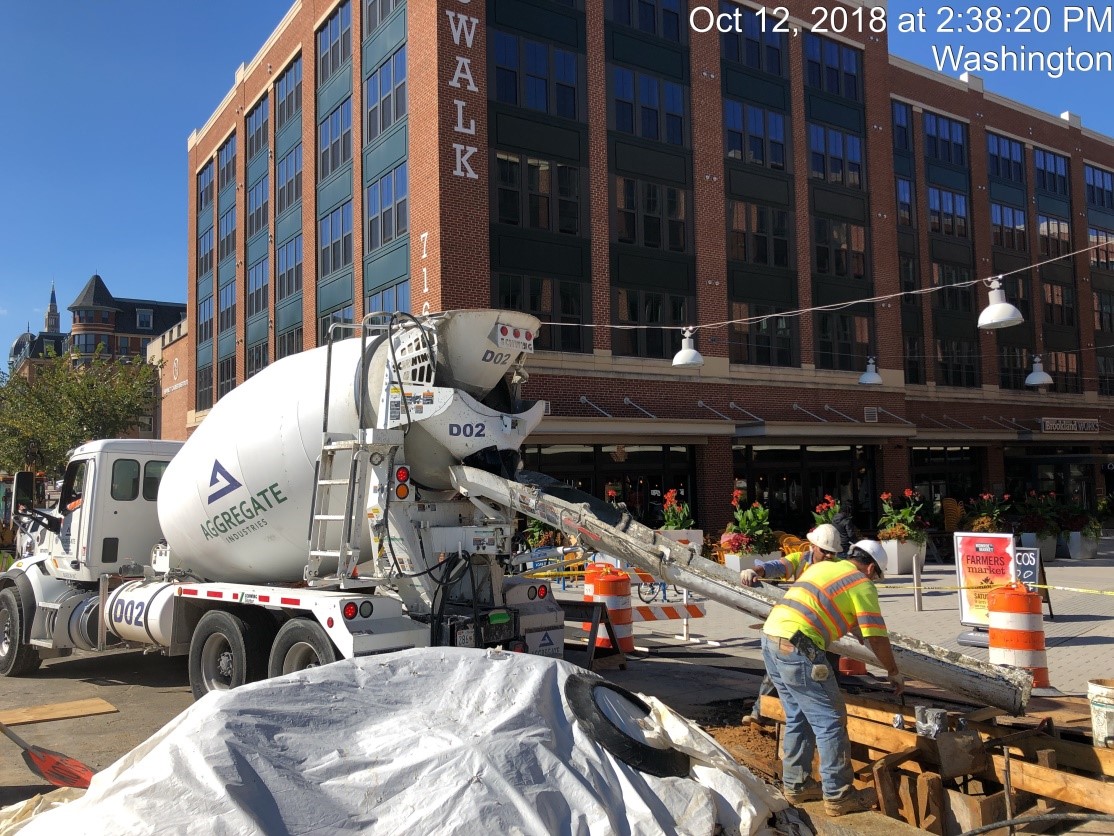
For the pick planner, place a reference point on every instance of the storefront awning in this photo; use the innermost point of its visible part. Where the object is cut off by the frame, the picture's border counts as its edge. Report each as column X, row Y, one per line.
column 561, row 429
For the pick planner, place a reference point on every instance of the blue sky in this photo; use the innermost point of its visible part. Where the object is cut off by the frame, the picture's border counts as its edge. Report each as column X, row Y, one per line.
column 99, row 97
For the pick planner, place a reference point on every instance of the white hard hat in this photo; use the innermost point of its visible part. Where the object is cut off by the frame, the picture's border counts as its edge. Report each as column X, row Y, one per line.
column 873, row 549
column 826, row 536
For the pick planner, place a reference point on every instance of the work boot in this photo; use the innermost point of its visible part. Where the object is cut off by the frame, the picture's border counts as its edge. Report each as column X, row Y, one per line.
column 809, row 792
column 856, row 801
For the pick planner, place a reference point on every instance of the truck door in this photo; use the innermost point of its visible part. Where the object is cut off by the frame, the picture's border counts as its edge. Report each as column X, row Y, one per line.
column 76, row 490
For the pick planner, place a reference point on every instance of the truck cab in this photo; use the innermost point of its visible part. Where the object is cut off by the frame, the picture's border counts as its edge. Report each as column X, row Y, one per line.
column 108, row 515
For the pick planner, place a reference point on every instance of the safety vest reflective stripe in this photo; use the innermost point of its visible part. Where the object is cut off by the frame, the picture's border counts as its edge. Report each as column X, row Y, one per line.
column 872, row 620
column 810, row 616
column 825, row 604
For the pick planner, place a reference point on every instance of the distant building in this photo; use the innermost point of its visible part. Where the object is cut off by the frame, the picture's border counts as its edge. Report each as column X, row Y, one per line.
column 171, row 351
column 32, row 350
column 123, row 326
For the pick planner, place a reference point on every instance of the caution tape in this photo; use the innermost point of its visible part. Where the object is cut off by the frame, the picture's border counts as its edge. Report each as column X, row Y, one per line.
column 935, row 588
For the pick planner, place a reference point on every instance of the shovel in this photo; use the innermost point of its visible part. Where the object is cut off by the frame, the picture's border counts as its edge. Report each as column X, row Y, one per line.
column 58, row 769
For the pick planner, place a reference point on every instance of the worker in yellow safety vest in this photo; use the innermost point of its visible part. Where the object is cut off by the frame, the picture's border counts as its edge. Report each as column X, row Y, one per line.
column 828, row 601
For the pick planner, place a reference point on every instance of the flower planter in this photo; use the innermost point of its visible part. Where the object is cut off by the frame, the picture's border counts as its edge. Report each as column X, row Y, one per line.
column 685, row 536
column 1046, row 543
column 1080, row 547
column 738, row 562
column 901, row 556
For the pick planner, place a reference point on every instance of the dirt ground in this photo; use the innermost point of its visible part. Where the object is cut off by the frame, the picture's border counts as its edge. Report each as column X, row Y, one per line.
column 755, row 746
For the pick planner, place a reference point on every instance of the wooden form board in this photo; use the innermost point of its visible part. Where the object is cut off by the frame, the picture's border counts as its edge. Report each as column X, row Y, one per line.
column 56, row 711
column 1044, row 781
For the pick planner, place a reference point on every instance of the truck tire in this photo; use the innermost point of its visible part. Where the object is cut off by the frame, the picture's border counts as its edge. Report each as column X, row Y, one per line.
column 580, row 692
column 225, row 653
column 16, row 656
column 301, row 643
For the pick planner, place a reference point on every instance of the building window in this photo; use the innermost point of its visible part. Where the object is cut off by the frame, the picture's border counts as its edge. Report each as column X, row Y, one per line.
column 1054, row 236
column 385, row 95
column 1100, row 187
column 205, row 187
column 386, row 207
column 842, row 341
column 1013, row 367
column 835, row 156
column 655, row 17
column 288, row 342
column 536, row 75
column 226, row 316
column 89, row 343
column 1059, row 304
column 1005, row 158
column 334, row 42
column 288, row 280
column 288, row 174
column 758, row 234
column 832, row 67
column 547, row 198
column 341, row 316
column 396, row 297
column 226, row 376
column 1102, row 248
column 255, row 359
column 647, row 106
column 947, row 212
column 904, row 201
column 839, row 248
column 226, row 244
column 957, row 363
column 226, row 158
column 637, row 307
column 756, row 46
column 376, row 11
column 945, row 139
column 205, row 252
column 334, row 139
column 258, row 205
column 913, row 346
column 204, row 396
column 651, row 215
column 902, row 125
column 1007, row 227
column 562, row 304
column 335, row 240
column 259, row 278
column 1104, row 311
column 1106, row 375
column 1064, row 368
column 954, row 293
column 1052, row 171
column 761, row 335
column 907, row 274
column 1017, row 292
column 144, row 319
column 754, row 134
column 257, row 129
column 205, row 320
column 288, row 93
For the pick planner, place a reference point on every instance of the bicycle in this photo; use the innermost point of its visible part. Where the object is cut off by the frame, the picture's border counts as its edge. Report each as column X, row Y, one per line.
column 654, row 590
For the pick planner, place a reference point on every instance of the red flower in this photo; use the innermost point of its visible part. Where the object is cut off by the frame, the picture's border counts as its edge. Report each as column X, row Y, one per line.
column 671, row 499
column 736, row 497
column 908, row 493
column 886, row 496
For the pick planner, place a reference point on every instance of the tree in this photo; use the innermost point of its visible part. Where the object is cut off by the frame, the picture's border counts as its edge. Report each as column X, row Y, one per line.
column 71, row 400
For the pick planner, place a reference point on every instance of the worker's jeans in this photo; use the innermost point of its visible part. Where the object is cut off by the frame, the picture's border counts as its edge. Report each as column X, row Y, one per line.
column 815, row 717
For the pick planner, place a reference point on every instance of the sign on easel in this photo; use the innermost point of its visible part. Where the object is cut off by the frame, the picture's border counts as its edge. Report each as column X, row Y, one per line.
column 1030, row 571
column 982, row 562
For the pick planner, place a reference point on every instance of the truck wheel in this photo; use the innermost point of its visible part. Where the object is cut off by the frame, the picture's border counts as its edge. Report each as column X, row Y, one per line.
column 225, row 653
column 580, row 693
column 16, row 656
column 300, row 644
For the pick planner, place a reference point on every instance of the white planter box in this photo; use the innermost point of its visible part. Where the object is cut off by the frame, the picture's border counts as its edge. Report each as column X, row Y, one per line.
column 738, row 562
column 685, row 536
column 901, row 556
column 1080, row 547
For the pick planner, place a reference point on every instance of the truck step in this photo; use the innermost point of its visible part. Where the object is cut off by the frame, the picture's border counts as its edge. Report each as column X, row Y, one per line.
column 324, row 553
column 329, row 517
column 332, row 481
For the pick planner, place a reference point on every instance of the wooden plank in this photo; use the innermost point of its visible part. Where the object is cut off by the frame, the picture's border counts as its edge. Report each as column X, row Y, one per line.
column 1028, row 777
column 930, row 803
column 56, row 711
column 886, row 787
column 907, row 802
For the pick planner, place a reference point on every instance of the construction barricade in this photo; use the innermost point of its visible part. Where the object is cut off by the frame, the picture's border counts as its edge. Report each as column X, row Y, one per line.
column 1017, row 631
column 611, row 586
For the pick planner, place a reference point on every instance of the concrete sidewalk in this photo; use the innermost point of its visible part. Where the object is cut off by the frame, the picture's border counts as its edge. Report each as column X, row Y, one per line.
column 1079, row 637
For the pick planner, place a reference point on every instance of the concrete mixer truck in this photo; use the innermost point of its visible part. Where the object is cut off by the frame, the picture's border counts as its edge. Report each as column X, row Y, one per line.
column 357, row 498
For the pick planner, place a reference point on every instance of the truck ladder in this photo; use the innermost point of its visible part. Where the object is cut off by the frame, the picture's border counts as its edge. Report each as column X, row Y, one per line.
column 334, row 534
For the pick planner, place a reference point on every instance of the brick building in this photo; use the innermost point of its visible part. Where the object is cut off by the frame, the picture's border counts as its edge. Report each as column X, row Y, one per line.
column 620, row 174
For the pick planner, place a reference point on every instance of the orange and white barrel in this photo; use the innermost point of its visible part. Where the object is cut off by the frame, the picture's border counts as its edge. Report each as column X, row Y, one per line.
column 851, row 667
column 1017, row 631
column 610, row 586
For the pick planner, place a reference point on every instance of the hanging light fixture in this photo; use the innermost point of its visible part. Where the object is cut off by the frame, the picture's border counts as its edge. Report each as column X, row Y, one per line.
column 870, row 377
column 688, row 357
column 999, row 313
column 1038, row 376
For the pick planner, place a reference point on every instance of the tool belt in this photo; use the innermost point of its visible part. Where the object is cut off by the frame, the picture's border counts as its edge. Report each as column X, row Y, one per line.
column 808, row 648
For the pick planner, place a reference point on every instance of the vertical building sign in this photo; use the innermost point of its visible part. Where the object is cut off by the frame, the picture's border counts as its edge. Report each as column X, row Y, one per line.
column 463, row 30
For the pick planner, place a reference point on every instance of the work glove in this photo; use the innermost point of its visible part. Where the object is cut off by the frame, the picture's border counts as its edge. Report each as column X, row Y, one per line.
column 898, row 681
column 748, row 577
